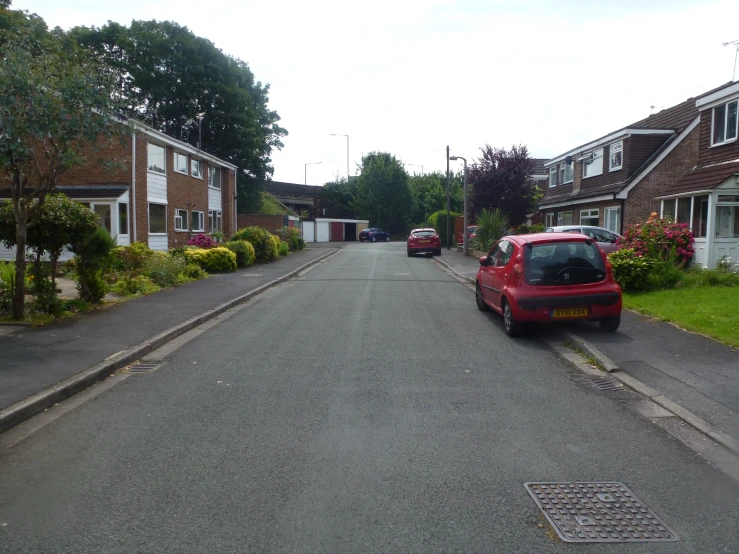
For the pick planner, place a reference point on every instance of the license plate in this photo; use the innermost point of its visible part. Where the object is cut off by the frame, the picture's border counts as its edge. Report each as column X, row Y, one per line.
column 424, row 241
column 568, row 312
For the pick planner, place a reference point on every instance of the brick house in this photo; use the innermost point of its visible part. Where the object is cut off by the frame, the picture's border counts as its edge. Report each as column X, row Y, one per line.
column 165, row 192
column 615, row 180
column 707, row 195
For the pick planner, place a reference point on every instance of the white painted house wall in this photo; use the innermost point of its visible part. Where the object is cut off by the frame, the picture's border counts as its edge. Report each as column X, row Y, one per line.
column 156, row 191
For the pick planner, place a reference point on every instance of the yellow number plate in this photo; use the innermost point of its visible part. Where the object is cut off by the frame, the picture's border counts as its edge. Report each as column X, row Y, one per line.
column 569, row 312
column 424, row 241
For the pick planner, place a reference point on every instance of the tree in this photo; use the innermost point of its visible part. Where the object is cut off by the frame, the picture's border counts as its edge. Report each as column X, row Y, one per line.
column 382, row 194
column 168, row 76
column 429, row 195
column 337, row 197
column 55, row 106
column 502, row 179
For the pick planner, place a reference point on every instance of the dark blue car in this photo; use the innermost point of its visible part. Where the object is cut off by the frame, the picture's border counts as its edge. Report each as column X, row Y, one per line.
column 374, row 234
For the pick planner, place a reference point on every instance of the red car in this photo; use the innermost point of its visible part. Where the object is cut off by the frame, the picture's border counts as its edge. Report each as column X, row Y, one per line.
column 424, row 240
column 548, row 277
column 471, row 234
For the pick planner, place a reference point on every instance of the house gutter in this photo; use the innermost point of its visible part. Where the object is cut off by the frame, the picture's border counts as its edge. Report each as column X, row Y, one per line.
column 133, row 186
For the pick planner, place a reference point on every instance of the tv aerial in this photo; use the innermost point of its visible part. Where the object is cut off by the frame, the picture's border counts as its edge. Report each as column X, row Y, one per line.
column 736, row 45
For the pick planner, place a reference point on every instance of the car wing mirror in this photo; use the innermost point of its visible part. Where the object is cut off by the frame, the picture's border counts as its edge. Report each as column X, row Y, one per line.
column 484, row 261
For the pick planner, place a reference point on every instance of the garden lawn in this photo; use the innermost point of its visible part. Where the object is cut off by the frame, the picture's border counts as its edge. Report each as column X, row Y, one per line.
column 712, row 311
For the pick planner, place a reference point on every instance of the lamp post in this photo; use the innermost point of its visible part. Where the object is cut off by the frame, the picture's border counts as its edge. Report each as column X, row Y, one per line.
column 448, row 201
column 464, row 187
column 200, row 117
column 347, row 153
column 306, row 169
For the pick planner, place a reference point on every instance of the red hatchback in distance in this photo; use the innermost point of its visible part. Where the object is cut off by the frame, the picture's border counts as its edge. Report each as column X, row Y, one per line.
column 424, row 240
column 548, row 277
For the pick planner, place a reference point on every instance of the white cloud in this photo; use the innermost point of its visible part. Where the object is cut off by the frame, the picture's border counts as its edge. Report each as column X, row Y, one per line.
column 411, row 77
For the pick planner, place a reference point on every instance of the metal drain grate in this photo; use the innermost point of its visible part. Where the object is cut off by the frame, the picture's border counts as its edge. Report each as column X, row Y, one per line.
column 603, row 384
column 598, row 512
column 142, row 367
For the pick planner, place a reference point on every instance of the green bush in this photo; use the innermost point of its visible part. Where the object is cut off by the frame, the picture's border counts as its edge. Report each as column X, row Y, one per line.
column 244, row 252
column 526, row 229
column 195, row 272
column 283, row 249
column 491, row 225
column 438, row 221
column 275, row 253
column 216, row 260
column 291, row 236
column 93, row 258
column 265, row 249
column 698, row 277
column 301, row 243
column 632, row 272
column 140, row 284
column 165, row 270
column 133, row 257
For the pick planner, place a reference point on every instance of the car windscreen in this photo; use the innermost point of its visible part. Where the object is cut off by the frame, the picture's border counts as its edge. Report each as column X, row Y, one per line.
column 424, row 233
column 563, row 263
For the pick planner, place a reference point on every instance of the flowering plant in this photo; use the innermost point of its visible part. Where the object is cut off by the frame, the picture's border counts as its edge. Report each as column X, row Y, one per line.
column 659, row 239
column 202, row 241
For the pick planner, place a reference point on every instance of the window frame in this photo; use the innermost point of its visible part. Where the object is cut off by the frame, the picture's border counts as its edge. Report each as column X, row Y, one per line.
column 211, row 220
column 174, row 163
column 148, row 213
column 199, row 174
column 725, row 108
column 553, row 176
column 549, row 219
column 127, row 218
column 593, row 154
column 184, row 219
column 563, row 172
column 589, row 215
column 611, row 166
column 559, row 218
column 219, row 221
column 201, row 221
column 215, row 171
column 606, row 218
column 163, row 171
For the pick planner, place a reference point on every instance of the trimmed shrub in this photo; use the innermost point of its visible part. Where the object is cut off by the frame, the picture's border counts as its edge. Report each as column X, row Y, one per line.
column 141, row 284
column 275, row 247
column 202, row 241
column 630, row 271
column 283, row 249
column 215, row 260
column 526, row 229
column 438, row 221
column 244, row 252
column 194, row 255
column 93, row 258
column 659, row 239
column 291, row 236
column 133, row 257
column 265, row 249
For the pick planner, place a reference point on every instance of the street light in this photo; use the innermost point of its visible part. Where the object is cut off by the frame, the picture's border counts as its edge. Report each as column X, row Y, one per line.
column 200, row 117
column 347, row 153
column 306, row 169
column 417, row 165
column 464, row 186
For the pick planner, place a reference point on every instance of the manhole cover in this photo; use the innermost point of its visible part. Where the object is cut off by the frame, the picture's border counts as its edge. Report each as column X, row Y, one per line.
column 142, row 367
column 598, row 512
column 603, row 384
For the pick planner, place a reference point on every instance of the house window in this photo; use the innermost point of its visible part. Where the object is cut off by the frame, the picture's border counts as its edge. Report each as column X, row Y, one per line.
column 564, row 218
column 214, row 177
column 211, row 221
column 613, row 219
column 196, row 168
column 157, row 219
column 219, row 222
column 592, row 163
column 727, row 217
column 566, row 173
column 122, row 218
column 155, row 154
column 553, row 176
column 700, row 216
column 682, row 215
column 180, row 220
column 617, row 156
column 550, row 219
column 724, row 123
column 589, row 217
column 180, row 163
column 198, row 222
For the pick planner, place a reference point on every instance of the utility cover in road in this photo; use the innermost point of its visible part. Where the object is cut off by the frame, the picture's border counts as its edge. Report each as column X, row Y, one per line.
column 598, row 512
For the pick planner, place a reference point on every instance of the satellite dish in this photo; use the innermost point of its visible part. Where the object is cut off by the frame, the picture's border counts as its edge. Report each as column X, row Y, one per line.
column 568, row 160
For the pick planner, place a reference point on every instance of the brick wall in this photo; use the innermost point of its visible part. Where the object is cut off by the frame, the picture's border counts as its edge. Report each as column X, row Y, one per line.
column 268, row 222
column 227, row 198
column 185, row 192
column 716, row 154
column 142, row 206
column 641, row 200
column 99, row 169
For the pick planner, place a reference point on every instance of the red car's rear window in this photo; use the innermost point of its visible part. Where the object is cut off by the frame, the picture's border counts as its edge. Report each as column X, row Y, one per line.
column 563, row 263
column 424, row 233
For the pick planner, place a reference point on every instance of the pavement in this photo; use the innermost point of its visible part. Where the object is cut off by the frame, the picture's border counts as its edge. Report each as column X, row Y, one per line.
column 699, row 374
column 33, row 359
column 365, row 406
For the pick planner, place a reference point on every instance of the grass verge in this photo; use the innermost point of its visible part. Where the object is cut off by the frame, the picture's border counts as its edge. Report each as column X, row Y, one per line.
column 711, row 311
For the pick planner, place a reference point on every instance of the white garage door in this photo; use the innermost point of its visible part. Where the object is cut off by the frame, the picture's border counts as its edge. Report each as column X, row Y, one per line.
column 309, row 234
column 322, row 231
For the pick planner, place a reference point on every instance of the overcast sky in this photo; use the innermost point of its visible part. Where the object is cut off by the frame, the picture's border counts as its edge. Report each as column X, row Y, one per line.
column 411, row 76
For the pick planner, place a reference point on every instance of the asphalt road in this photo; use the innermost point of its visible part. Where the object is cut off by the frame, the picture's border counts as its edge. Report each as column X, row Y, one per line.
column 364, row 407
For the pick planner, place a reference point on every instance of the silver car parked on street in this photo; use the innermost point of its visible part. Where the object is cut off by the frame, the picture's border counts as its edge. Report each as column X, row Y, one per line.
column 606, row 239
